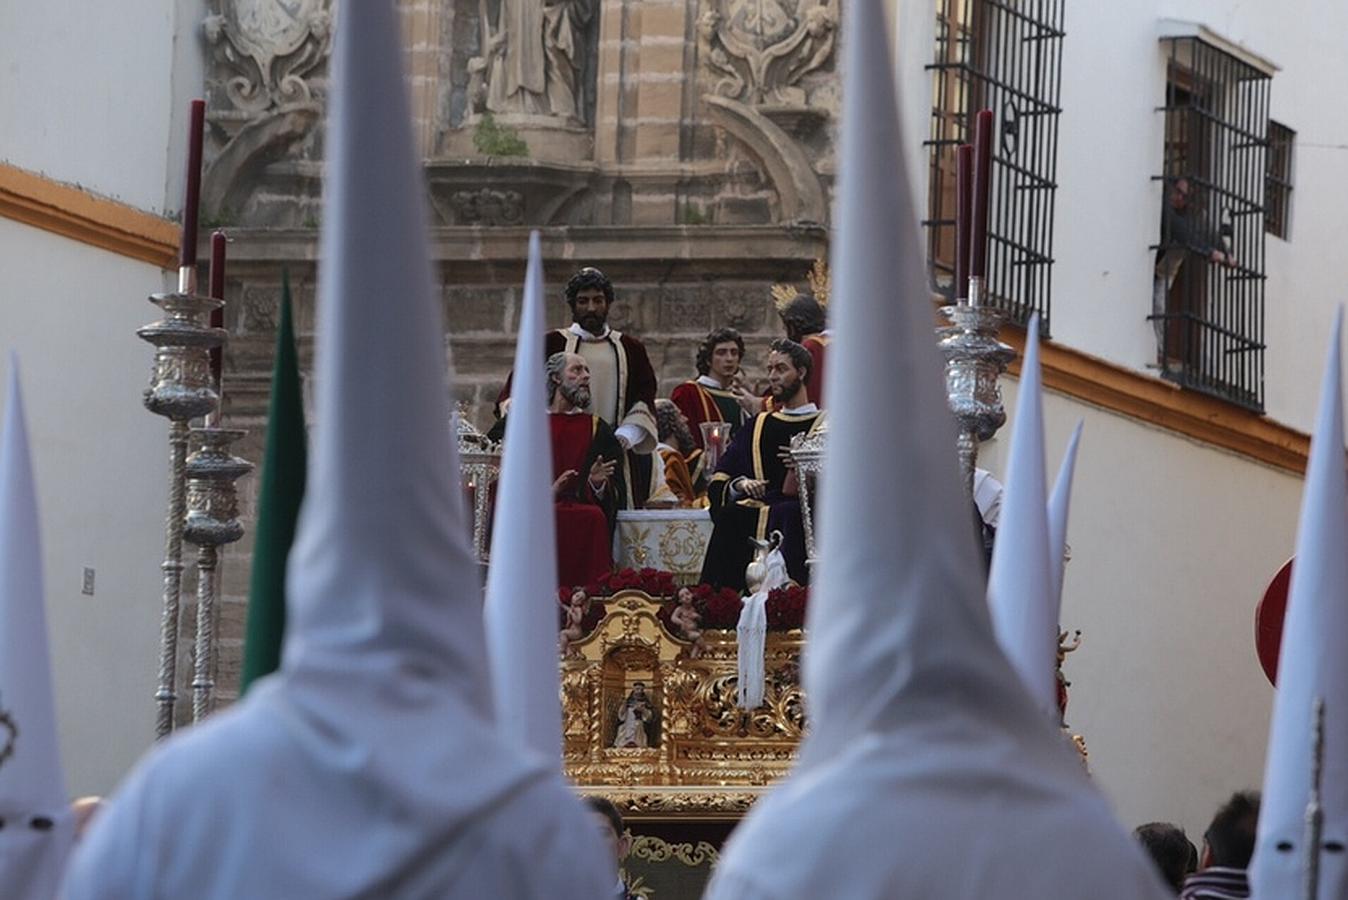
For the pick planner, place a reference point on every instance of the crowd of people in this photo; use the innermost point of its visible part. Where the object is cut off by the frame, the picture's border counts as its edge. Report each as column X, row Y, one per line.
column 1217, row 871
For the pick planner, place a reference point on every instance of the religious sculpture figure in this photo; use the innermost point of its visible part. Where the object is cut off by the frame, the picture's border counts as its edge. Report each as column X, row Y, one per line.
column 586, row 487
column 804, row 315
column 576, row 607
column 718, row 394
column 622, row 382
column 754, row 490
column 633, row 716
column 535, row 56
column 688, row 620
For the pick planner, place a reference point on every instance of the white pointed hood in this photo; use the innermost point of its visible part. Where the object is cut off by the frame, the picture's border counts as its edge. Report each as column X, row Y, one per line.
column 927, row 772
column 1313, row 663
column 1020, row 583
column 522, row 582
column 37, row 829
column 1059, row 503
column 370, row 765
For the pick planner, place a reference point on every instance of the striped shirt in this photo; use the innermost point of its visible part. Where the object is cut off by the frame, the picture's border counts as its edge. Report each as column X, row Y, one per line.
column 1216, row 883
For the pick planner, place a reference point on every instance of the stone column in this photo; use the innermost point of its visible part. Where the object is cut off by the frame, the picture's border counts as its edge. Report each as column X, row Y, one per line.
column 427, row 58
column 644, row 79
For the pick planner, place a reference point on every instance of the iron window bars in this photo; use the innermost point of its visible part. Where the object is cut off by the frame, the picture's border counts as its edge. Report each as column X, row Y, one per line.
column 1278, row 181
column 1005, row 56
column 1208, row 292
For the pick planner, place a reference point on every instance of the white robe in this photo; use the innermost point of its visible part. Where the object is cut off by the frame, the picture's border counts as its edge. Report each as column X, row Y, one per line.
column 631, row 728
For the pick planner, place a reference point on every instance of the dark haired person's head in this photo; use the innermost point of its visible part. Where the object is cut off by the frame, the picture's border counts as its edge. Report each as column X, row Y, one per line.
column 802, row 316
column 1175, row 855
column 672, row 427
column 1229, row 840
column 610, row 824
column 589, row 293
column 789, row 367
column 720, row 353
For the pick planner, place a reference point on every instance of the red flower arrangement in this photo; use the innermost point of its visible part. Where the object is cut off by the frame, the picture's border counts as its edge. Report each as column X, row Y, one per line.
column 786, row 607
column 720, row 608
column 655, row 582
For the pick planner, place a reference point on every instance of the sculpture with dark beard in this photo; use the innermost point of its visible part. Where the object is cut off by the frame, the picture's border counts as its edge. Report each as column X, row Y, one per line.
column 578, row 395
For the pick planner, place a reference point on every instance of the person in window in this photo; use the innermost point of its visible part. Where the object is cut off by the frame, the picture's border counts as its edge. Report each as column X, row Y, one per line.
column 1183, row 234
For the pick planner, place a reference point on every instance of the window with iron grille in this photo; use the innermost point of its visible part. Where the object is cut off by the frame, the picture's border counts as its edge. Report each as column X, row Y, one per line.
column 1278, row 180
column 1208, row 292
column 1004, row 56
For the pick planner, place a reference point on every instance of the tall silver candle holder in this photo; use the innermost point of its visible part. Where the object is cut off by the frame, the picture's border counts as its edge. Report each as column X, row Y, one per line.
column 974, row 361
column 181, row 389
column 808, row 450
column 212, row 521
column 479, row 468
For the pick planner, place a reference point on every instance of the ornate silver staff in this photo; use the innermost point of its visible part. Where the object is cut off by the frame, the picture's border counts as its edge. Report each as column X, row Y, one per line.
column 180, row 390
column 1315, row 814
column 974, row 361
column 212, row 520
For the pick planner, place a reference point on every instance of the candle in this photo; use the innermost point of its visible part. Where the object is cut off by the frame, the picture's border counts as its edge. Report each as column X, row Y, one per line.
column 964, row 202
column 188, row 256
column 978, row 236
column 217, row 321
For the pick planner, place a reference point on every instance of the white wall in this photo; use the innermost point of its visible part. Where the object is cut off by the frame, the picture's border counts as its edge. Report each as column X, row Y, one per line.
column 95, row 94
column 101, row 466
column 1110, row 147
column 85, row 94
column 1173, row 543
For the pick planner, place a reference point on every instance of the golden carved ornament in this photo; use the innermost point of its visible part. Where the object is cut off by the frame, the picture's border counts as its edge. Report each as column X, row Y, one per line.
column 819, row 281
column 699, row 738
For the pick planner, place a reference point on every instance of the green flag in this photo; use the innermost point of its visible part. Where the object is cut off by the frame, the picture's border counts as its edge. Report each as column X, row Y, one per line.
column 279, row 496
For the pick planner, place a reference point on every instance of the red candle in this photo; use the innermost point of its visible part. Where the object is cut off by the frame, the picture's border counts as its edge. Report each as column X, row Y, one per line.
column 218, row 292
column 964, row 205
column 978, row 237
column 188, row 256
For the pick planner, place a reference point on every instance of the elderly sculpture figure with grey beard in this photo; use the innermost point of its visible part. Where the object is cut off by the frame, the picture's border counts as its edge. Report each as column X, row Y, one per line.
column 586, row 484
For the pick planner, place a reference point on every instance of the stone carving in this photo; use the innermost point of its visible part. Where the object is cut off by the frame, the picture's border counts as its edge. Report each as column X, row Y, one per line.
column 763, row 48
column 268, row 48
column 532, row 60
column 487, row 206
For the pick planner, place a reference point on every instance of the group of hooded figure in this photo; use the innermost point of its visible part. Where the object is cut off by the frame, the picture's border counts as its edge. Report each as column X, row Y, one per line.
column 410, row 744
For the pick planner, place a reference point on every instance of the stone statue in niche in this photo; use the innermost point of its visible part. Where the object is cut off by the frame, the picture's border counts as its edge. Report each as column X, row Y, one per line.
column 533, row 59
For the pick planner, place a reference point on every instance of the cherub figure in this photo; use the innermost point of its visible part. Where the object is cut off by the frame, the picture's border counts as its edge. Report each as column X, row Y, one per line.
column 576, row 608
column 688, row 620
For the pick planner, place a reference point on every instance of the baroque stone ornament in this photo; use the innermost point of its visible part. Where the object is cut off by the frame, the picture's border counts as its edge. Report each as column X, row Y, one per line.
column 487, row 206
column 268, row 48
column 763, row 48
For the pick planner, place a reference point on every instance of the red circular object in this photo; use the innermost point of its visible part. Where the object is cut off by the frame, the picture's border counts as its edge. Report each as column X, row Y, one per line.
column 1268, row 618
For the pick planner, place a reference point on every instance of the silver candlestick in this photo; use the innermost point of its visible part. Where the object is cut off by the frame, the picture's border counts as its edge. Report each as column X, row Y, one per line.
column 808, row 450
column 180, row 389
column 479, row 467
column 974, row 360
column 212, row 520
